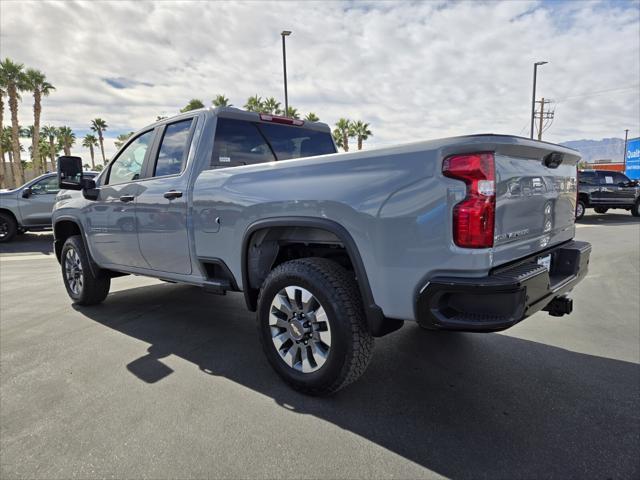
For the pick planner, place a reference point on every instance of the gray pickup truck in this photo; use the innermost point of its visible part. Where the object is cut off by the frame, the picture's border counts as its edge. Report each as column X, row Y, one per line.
column 470, row 233
column 29, row 207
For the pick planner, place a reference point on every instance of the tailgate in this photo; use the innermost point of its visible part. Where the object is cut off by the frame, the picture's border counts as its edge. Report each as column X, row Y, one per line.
column 535, row 199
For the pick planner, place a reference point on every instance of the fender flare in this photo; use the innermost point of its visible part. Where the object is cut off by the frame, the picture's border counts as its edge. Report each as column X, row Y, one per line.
column 378, row 324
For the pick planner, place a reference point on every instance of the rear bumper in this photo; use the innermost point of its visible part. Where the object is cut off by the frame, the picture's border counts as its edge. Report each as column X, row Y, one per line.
column 508, row 295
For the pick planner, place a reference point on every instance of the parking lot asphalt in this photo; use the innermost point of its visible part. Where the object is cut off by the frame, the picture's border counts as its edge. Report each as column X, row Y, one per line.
column 165, row 381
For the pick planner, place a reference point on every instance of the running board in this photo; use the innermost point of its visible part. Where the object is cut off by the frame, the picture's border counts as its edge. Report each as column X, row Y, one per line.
column 218, row 286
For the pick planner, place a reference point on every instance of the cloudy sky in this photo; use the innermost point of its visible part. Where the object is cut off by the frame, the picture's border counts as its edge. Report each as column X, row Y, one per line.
column 413, row 70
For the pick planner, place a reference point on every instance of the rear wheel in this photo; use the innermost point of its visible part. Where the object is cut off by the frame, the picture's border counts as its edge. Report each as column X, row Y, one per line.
column 635, row 210
column 312, row 326
column 83, row 286
column 580, row 208
column 601, row 210
column 8, row 227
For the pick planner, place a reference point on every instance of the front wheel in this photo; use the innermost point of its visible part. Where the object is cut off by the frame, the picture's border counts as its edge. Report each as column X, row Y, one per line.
column 580, row 208
column 635, row 210
column 83, row 286
column 312, row 325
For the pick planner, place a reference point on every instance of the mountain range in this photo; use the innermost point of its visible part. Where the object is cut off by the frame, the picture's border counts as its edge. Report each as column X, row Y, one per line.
column 593, row 150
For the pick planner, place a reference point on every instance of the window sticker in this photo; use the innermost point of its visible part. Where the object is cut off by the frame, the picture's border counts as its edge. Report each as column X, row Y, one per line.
column 224, row 159
column 608, row 179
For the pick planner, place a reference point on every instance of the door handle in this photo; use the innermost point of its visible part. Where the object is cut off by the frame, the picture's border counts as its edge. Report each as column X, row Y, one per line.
column 171, row 194
column 127, row 198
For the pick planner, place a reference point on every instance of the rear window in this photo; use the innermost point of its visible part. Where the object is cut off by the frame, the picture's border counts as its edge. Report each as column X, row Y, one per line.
column 296, row 142
column 239, row 142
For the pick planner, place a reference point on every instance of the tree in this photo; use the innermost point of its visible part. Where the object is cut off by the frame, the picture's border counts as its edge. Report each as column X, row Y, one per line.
column 122, row 139
column 67, row 138
column 311, row 117
column 36, row 82
column 5, row 146
column 193, row 104
column 220, row 101
column 342, row 133
column 3, row 173
column 271, row 106
column 98, row 125
column 90, row 141
column 361, row 131
column 254, row 104
column 13, row 79
column 292, row 112
column 50, row 133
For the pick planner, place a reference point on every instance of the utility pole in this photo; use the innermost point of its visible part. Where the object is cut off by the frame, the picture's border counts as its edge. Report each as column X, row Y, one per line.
column 541, row 118
column 545, row 113
column 285, row 33
column 624, row 153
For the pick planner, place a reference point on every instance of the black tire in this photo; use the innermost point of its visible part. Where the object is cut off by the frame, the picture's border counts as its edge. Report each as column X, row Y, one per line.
column 635, row 210
column 351, row 345
column 86, row 288
column 601, row 210
column 580, row 209
column 8, row 227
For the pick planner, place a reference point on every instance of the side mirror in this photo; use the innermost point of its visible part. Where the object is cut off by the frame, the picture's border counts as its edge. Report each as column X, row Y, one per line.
column 70, row 173
column 26, row 193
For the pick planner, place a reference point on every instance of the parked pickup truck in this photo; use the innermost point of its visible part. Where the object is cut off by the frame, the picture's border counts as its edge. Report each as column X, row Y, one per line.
column 331, row 249
column 603, row 190
column 29, row 207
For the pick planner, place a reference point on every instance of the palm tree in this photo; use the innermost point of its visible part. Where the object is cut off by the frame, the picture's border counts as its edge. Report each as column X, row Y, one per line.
column 220, row 101
column 361, row 131
column 5, row 146
column 342, row 133
column 36, row 82
column 67, row 138
column 98, row 125
column 292, row 112
column 50, row 133
column 89, row 141
column 12, row 78
column 193, row 104
column 271, row 106
column 254, row 104
column 311, row 117
column 3, row 173
column 122, row 139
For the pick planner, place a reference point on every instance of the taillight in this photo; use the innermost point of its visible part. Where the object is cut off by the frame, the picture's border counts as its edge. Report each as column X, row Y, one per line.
column 284, row 120
column 474, row 217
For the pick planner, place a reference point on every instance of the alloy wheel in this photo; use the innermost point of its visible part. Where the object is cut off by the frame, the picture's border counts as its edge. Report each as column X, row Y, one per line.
column 73, row 271
column 300, row 329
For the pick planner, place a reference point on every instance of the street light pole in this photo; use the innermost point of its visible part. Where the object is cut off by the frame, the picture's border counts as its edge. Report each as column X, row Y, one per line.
column 533, row 98
column 624, row 155
column 285, row 33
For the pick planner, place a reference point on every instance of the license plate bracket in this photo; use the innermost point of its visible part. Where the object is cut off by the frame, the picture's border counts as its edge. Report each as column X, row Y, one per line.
column 545, row 262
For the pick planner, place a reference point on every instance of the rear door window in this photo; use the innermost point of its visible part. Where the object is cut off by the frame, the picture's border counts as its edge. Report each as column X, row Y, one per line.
column 174, row 149
column 239, row 143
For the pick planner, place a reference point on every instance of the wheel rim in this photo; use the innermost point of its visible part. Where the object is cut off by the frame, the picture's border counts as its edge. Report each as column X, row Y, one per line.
column 4, row 228
column 73, row 271
column 300, row 329
column 579, row 210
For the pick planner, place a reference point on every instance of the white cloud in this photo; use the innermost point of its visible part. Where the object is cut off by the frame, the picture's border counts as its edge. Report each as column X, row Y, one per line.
column 413, row 70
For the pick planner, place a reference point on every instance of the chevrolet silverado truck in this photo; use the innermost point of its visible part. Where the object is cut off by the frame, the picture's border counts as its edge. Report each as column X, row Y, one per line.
column 603, row 190
column 470, row 233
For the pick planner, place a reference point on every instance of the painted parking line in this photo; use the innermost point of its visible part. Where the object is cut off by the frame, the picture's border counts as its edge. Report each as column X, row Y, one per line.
column 15, row 258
